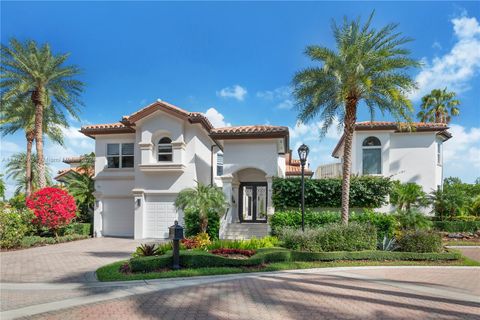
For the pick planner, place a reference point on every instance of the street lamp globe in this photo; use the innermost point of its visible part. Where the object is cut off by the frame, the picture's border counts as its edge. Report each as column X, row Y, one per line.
column 303, row 153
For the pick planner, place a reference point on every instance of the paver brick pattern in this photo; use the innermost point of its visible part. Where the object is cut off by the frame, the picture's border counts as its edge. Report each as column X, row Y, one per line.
column 291, row 296
column 66, row 262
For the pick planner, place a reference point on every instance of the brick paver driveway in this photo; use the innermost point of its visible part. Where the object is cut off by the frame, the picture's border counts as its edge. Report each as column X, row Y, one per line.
column 371, row 293
column 67, row 262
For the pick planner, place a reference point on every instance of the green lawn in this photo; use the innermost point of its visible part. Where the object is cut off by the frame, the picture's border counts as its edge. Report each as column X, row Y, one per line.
column 111, row 272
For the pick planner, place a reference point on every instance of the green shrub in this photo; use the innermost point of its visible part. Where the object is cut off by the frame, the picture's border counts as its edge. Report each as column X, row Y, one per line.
column 251, row 244
column 151, row 263
column 331, row 237
column 457, row 226
column 372, row 256
column 35, row 241
column 384, row 223
column 14, row 225
column 413, row 220
column 78, row 228
column 192, row 224
column 365, row 192
column 420, row 241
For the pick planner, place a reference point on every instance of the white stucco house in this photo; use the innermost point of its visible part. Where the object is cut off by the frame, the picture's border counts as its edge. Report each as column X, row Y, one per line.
column 407, row 154
column 146, row 159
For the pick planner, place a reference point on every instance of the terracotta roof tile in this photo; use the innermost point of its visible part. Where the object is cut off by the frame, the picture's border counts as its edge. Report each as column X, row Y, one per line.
column 256, row 129
column 293, row 167
column 106, row 128
column 63, row 172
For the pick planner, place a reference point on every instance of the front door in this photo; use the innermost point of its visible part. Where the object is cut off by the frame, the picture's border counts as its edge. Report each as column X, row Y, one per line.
column 253, row 202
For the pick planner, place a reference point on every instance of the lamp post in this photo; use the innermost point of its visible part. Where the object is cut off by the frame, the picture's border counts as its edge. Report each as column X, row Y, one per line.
column 303, row 154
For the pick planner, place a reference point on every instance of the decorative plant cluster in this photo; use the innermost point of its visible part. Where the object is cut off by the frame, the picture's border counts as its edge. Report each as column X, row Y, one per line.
column 201, row 240
column 228, row 251
column 53, row 208
column 365, row 192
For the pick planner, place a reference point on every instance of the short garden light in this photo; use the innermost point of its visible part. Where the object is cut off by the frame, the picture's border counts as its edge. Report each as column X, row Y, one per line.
column 303, row 154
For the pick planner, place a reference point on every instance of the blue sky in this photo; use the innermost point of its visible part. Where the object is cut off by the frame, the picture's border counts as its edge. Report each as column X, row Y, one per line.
column 236, row 61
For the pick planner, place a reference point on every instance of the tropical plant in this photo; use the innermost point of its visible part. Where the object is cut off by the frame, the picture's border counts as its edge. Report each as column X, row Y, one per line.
column 14, row 224
column 408, row 195
column 368, row 66
column 448, row 202
column 203, row 199
column 20, row 115
column 16, row 169
column 81, row 186
column 54, row 208
column 2, row 187
column 439, row 106
column 412, row 220
column 388, row 244
column 147, row 250
column 29, row 70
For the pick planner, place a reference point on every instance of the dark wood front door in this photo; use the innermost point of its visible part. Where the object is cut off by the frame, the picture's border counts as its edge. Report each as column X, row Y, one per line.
column 253, row 202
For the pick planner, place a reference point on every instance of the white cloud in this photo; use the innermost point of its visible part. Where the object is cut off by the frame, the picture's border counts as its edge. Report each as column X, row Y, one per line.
column 235, row 92
column 461, row 154
column 216, row 118
column 281, row 95
column 9, row 147
column 285, row 104
column 454, row 69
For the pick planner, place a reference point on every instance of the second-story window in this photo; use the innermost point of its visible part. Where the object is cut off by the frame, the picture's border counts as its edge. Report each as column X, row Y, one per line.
column 120, row 155
column 165, row 152
column 372, row 156
column 439, row 154
column 219, row 164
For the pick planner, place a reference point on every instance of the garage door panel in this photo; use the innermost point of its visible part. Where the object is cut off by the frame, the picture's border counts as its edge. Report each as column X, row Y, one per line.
column 158, row 217
column 118, row 217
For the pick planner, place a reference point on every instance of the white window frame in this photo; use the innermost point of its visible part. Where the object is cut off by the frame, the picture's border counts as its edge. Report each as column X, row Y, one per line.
column 379, row 147
column 219, row 163
column 439, row 154
column 120, row 155
column 170, row 153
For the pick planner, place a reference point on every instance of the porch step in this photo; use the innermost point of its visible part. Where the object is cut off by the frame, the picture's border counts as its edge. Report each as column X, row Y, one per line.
column 245, row 231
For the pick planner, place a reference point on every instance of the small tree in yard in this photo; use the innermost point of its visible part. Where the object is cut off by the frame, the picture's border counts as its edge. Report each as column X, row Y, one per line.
column 53, row 208
column 203, row 199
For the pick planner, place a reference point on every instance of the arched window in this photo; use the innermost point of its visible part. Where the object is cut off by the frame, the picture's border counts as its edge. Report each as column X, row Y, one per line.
column 165, row 152
column 372, row 156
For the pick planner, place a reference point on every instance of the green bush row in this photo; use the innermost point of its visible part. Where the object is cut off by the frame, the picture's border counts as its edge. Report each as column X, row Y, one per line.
column 457, row 226
column 331, row 237
column 202, row 259
column 78, row 228
column 192, row 224
column 249, row 244
column 384, row 223
column 365, row 192
column 32, row 241
column 420, row 241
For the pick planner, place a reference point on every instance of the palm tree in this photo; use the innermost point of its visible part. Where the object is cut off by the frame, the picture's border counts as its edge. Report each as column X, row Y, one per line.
column 16, row 169
column 203, row 199
column 368, row 66
column 28, row 70
column 439, row 106
column 20, row 115
column 81, row 186
column 406, row 195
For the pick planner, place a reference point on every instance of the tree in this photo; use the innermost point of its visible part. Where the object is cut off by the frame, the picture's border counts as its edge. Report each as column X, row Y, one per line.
column 2, row 187
column 32, row 71
column 53, row 208
column 202, row 199
column 439, row 106
column 368, row 66
column 82, row 186
column 16, row 169
column 408, row 195
column 20, row 115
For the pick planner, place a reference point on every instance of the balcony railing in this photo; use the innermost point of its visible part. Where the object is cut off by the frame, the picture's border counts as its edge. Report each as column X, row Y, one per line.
column 331, row 170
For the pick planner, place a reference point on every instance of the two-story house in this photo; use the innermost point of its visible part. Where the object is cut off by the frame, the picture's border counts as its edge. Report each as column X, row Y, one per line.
column 405, row 152
column 146, row 159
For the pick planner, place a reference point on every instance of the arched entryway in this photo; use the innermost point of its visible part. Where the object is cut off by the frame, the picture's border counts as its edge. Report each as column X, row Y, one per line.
column 252, row 194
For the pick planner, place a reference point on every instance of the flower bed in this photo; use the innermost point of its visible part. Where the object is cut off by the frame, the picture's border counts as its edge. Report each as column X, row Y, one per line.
column 233, row 253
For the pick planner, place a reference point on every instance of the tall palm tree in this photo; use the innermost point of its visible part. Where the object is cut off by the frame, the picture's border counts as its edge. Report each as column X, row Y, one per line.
column 20, row 115
column 29, row 70
column 439, row 106
column 367, row 66
column 203, row 199
column 16, row 169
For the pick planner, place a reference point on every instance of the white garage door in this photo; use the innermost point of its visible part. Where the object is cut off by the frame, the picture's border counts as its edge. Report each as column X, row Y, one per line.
column 158, row 217
column 118, row 217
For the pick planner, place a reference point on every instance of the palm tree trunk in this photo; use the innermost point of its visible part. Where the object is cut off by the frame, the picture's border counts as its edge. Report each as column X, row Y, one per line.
column 38, row 100
column 349, row 128
column 28, row 166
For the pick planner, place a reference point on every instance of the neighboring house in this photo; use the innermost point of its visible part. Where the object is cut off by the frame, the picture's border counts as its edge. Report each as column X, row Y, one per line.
column 145, row 160
column 392, row 149
column 74, row 163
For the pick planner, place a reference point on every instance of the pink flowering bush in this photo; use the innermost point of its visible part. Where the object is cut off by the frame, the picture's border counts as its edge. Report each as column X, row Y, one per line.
column 53, row 208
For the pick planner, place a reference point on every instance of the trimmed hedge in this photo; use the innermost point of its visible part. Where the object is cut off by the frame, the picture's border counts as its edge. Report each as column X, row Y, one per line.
column 384, row 223
column 332, row 237
column 420, row 241
column 457, row 226
column 365, row 192
column 201, row 259
column 35, row 241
